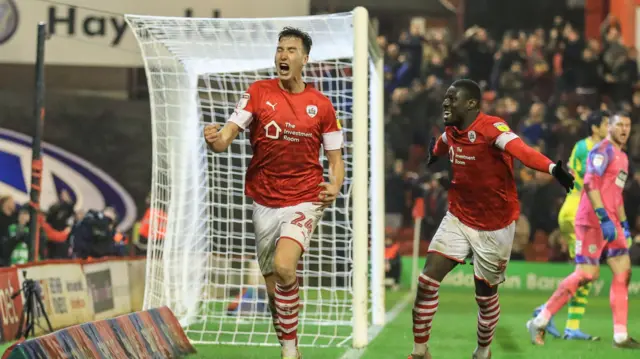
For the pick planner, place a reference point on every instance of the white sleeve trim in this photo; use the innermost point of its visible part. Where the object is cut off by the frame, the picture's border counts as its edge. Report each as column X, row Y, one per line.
column 504, row 138
column 332, row 140
column 551, row 167
column 241, row 118
column 444, row 138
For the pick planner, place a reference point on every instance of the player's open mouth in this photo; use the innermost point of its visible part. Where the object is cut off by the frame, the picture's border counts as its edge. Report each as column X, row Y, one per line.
column 446, row 114
column 283, row 68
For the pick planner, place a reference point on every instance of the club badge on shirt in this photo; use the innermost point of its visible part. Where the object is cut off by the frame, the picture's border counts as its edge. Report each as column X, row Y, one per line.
column 472, row 136
column 312, row 111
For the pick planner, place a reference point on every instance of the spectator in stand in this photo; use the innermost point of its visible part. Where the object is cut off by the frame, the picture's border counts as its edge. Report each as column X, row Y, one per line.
column 435, row 202
column 614, row 58
column 145, row 227
column 121, row 244
column 19, row 240
column 396, row 205
column 533, row 128
column 57, row 226
column 479, row 50
column 94, row 235
column 588, row 78
column 57, row 241
column 521, row 238
column 572, row 51
column 8, row 214
column 545, row 207
column 60, row 214
column 16, row 245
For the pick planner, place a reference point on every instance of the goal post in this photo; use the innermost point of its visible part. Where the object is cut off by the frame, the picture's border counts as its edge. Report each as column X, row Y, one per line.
column 377, row 169
column 201, row 260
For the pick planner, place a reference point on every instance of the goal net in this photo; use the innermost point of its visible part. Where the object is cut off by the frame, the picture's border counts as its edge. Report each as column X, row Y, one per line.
column 201, row 259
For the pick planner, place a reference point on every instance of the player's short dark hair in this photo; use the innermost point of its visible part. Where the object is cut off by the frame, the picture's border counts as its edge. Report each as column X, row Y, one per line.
column 470, row 87
column 618, row 114
column 596, row 117
column 295, row 32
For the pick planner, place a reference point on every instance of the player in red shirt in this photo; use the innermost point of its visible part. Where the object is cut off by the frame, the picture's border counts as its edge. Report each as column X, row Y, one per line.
column 601, row 223
column 288, row 123
column 483, row 207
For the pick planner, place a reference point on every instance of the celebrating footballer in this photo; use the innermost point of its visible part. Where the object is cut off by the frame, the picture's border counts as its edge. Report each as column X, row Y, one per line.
column 288, row 122
column 483, row 208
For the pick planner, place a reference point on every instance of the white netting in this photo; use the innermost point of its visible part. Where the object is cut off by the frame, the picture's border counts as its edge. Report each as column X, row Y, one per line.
column 197, row 69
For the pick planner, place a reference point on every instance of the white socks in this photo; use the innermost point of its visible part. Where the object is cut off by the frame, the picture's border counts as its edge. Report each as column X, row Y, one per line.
column 419, row 349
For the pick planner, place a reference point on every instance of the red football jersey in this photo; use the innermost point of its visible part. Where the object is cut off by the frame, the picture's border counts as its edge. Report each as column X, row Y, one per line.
column 483, row 191
column 286, row 133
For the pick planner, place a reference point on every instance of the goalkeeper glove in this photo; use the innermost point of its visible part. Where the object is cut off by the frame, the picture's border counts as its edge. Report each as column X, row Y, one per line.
column 627, row 232
column 608, row 228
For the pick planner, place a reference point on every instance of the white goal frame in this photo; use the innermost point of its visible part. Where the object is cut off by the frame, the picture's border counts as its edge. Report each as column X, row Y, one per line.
column 367, row 195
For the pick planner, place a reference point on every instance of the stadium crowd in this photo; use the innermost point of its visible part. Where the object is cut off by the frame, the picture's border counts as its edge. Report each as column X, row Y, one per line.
column 545, row 83
column 66, row 232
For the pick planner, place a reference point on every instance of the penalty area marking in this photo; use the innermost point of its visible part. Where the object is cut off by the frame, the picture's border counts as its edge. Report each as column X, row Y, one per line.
column 391, row 315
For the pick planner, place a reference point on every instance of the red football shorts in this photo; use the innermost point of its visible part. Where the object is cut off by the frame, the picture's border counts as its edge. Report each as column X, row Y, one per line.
column 590, row 244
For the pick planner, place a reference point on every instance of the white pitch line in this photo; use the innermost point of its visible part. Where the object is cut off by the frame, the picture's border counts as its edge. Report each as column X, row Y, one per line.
column 376, row 329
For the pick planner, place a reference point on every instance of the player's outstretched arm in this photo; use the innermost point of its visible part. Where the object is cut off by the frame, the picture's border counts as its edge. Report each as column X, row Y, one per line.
column 219, row 140
column 537, row 161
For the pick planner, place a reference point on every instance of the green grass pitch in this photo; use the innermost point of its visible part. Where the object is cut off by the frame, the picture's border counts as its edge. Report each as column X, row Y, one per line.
column 454, row 332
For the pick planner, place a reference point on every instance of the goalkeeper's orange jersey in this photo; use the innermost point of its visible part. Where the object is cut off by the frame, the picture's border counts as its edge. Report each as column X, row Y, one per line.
column 287, row 131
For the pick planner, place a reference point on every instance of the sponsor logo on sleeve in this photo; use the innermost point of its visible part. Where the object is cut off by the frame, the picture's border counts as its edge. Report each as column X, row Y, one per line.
column 598, row 160
column 502, row 127
column 244, row 100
